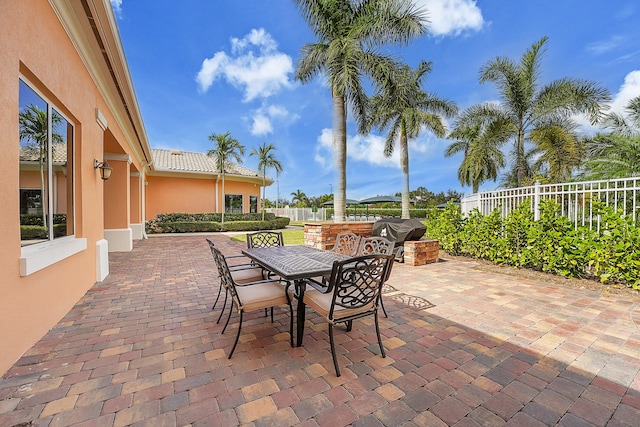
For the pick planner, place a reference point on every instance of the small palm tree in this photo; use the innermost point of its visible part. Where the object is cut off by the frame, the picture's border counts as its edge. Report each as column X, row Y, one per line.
column 266, row 159
column 480, row 142
column 348, row 33
column 226, row 148
column 612, row 156
column 407, row 110
column 299, row 198
column 625, row 126
column 558, row 149
column 616, row 154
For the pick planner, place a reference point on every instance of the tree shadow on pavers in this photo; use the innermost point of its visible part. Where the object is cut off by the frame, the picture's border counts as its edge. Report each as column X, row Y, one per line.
column 414, row 301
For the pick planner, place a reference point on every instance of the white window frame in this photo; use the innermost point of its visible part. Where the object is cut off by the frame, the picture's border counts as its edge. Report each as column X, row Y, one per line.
column 41, row 255
column 231, row 207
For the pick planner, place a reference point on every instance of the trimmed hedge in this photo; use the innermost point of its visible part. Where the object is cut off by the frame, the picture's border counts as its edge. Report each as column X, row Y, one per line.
column 609, row 253
column 38, row 232
column 36, row 219
column 211, row 222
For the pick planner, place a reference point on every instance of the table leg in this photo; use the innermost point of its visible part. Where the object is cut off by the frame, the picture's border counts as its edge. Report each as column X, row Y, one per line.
column 300, row 285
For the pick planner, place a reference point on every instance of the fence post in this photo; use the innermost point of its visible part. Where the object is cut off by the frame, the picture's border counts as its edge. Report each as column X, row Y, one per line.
column 536, row 201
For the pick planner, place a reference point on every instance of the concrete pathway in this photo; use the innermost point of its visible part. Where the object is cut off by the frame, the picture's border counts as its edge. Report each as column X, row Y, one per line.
column 465, row 347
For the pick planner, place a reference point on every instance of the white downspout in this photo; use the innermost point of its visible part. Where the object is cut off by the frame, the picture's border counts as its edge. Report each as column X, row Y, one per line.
column 144, row 198
column 143, row 195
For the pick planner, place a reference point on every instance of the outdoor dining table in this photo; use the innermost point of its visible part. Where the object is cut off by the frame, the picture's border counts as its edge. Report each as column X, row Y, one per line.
column 295, row 263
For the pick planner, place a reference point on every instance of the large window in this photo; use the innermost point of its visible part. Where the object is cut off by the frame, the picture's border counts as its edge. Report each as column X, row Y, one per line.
column 46, row 169
column 233, row 203
column 253, row 204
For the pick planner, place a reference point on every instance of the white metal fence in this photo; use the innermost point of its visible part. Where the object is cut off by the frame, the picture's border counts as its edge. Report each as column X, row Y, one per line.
column 300, row 214
column 574, row 198
column 307, row 214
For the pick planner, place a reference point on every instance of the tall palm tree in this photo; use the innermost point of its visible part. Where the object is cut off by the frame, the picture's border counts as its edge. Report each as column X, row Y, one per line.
column 266, row 159
column 406, row 110
column 528, row 104
column 481, row 143
column 33, row 127
column 349, row 33
column 226, row 148
column 299, row 198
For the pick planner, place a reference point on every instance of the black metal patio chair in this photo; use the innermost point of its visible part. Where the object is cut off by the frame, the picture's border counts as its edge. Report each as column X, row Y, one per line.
column 347, row 244
column 250, row 296
column 354, row 292
column 242, row 272
column 377, row 245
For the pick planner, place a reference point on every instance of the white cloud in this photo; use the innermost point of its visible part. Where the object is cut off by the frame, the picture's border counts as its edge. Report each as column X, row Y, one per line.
column 629, row 89
column 324, row 149
column 262, row 118
column 255, row 66
column 261, row 125
column 258, row 38
column 604, row 46
column 368, row 149
column 452, row 17
column 117, row 6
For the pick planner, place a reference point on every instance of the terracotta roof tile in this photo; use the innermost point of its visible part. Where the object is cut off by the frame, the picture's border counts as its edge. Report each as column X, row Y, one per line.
column 30, row 153
column 188, row 161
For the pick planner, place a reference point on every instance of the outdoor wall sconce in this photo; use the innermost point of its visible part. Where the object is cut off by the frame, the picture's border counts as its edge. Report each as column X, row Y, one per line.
column 105, row 169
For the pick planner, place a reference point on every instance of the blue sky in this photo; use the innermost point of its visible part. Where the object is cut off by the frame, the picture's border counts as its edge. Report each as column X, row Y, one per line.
column 201, row 67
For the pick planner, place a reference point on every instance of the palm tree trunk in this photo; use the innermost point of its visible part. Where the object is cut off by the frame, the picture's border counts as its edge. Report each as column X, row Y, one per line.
column 340, row 156
column 43, row 198
column 520, row 158
column 404, row 164
column 223, row 199
column 264, row 180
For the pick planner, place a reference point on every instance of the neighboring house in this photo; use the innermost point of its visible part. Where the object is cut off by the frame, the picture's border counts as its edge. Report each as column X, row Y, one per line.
column 190, row 182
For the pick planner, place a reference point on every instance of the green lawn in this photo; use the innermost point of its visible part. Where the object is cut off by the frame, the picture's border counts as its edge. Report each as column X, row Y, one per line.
column 290, row 237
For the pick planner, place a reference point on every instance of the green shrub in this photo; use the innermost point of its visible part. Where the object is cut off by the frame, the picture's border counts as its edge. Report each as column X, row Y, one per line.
column 33, row 232
column 211, row 222
column 39, row 232
column 447, row 226
column 610, row 253
column 36, row 219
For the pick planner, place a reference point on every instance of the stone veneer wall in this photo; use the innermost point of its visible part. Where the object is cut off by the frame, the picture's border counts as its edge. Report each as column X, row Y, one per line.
column 323, row 235
column 421, row 252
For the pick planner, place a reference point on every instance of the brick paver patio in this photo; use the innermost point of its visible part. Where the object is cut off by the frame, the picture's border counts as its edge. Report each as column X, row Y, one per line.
column 465, row 348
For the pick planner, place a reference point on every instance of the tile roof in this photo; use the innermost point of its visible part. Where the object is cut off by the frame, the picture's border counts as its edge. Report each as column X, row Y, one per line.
column 187, row 161
column 30, row 153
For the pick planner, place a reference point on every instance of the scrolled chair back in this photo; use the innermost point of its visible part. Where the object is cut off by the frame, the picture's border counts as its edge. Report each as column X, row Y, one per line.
column 223, row 271
column 347, row 244
column 264, row 239
column 356, row 284
column 375, row 245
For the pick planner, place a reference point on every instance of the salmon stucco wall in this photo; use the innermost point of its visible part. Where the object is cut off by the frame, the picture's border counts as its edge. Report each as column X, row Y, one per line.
column 191, row 195
column 36, row 48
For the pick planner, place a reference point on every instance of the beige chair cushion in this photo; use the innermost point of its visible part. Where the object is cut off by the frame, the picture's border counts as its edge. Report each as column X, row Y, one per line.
column 262, row 295
column 322, row 304
column 247, row 275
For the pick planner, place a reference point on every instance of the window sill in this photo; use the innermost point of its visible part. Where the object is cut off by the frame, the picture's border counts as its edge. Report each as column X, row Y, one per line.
column 35, row 258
